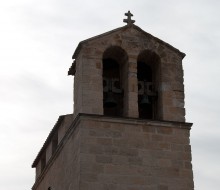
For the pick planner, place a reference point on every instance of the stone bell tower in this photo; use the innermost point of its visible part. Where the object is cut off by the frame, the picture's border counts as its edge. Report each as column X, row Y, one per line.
column 128, row 129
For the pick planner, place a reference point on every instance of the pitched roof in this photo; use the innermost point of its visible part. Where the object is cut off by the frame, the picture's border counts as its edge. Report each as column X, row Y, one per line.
column 49, row 138
column 80, row 45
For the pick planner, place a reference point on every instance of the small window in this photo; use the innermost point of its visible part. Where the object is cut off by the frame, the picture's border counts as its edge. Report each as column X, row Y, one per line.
column 114, row 59
column 148, row 82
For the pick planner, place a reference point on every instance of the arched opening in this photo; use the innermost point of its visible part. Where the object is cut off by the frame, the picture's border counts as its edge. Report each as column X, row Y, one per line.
column 148, row 82
column 114, row 59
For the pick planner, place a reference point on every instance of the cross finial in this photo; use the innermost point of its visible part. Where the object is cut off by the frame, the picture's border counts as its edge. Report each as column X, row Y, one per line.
column 129, row 21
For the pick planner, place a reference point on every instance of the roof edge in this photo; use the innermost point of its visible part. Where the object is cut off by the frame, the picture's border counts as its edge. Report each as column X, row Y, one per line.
column 80, row 45
column 47, row 141
column 75, row 54
column 161, row 41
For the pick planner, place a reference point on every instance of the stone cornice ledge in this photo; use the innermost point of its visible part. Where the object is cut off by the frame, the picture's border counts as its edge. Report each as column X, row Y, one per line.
column 128, row 120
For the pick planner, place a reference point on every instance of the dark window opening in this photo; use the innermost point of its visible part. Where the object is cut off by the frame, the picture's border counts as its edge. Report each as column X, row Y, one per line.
column 114, row 59
column 144, row 100
column 144, row 72
column 112, row 94
column 147, row 74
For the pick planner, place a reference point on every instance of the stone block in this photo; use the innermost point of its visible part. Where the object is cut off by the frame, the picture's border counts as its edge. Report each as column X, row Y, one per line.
column 157, row 137
column 85, row 157
column 149, row 129
column 188, row 165
column 88, row 177
column 95, row 149
column 93, row 168
column 178, row 86
column 178, row 103
column 165, row 86
column 111, row 150
column 164, row 162
column 135, row 161
column 182, row 133
column 164, row 130
column 128, row 152
column 179, row 94
column 151, row 145
column 104, row 141
column 177, row 147
column 187, row 148
column 103, row 159
column 163, row 187
column 177, row 163
column 164, row 146
column 120, row 160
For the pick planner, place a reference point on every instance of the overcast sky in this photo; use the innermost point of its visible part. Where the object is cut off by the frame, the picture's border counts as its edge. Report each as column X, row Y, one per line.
column 37, row 40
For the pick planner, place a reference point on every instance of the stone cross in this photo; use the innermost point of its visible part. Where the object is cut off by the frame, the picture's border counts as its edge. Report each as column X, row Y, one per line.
column 129, row 21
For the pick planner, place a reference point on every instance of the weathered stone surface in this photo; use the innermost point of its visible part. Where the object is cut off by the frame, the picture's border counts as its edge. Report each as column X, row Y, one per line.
column 88, row 92
column 100, row 152
column 127, row 160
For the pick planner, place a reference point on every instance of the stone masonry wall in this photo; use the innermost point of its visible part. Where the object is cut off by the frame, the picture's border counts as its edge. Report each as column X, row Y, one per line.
column 106, row 153
column 88, row 92
column 123, row 154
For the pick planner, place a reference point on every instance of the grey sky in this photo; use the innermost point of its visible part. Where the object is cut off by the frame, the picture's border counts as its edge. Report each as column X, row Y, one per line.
column 37, row 40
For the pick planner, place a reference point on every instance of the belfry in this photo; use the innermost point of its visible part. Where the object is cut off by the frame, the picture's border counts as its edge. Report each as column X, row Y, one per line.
column 128, row 128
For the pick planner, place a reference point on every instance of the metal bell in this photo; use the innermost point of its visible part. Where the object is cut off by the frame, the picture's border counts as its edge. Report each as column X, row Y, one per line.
column 145, row 101
column 110, row 102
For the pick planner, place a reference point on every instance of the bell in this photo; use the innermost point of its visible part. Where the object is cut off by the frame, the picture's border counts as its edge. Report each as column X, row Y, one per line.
column 110, row 102
column 145, row 101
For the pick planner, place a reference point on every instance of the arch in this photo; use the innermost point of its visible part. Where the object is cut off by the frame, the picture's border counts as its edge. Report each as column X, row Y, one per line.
column 148, row 75
column 114, row 61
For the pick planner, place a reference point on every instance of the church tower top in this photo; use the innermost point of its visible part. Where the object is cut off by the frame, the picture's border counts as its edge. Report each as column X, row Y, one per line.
column 128, row 118
column 127, row 72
